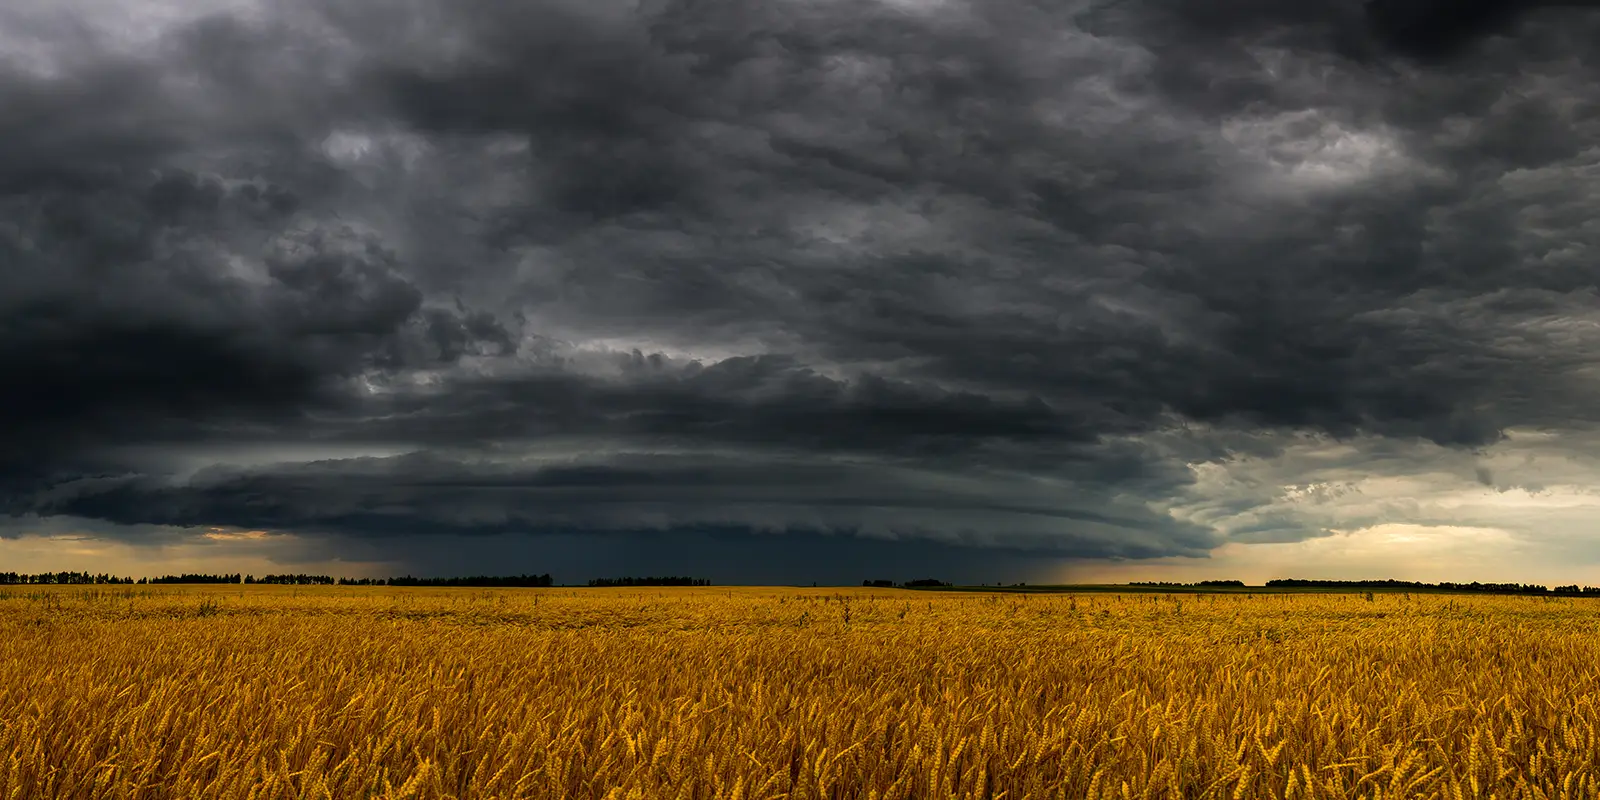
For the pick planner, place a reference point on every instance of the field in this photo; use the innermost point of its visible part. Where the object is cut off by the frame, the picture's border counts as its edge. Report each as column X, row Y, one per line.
column 340, row 692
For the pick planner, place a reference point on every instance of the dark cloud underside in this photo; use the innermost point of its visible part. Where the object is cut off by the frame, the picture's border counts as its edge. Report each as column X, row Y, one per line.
column 990, row 273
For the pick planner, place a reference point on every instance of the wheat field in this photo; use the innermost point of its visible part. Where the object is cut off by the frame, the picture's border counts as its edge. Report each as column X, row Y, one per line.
column 340, row 692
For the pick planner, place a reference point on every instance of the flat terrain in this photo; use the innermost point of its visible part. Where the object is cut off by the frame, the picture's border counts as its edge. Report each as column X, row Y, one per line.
column 341, row 692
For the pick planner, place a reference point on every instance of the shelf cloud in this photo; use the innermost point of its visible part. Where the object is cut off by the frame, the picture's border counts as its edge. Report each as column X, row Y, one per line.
column 1098, row 281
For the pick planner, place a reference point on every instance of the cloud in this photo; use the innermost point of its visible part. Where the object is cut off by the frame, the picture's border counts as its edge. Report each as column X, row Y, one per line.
column 426, row 494
column 1434, row 29
column 1007, row 274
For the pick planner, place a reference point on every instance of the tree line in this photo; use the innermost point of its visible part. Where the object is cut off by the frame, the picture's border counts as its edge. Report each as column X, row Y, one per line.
column 299, row 579
column 671, row 580
column 503, row 581
column 60, row 578
column 1196, row 584
column 1444, row 586
column 1572, row 590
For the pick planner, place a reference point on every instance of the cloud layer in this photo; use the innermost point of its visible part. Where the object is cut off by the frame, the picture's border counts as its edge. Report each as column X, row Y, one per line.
column 995, row 274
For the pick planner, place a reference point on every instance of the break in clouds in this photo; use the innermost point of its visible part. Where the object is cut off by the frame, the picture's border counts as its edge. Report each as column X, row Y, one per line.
column 1114, row 279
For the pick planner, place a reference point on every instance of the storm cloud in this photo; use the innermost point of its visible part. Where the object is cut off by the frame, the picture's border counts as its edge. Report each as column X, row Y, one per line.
column 1008, row 275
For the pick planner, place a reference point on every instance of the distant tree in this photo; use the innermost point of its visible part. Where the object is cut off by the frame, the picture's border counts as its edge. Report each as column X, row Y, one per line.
column 60, row 579
column 649, row 581
column 1474, row 587
column 199, row 578
column 507, row 581
column 295, row 579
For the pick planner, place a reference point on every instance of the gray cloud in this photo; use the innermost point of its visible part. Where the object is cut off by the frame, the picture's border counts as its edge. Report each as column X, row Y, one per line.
column 749, row 267
column 422, row 494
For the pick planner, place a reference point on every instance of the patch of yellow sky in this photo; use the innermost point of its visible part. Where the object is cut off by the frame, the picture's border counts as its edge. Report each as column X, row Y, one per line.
column 1396, row 550
column 212, row 550
column 1523, row 510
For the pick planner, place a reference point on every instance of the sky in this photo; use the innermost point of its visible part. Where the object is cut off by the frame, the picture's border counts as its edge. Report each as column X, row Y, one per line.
column 783, row 291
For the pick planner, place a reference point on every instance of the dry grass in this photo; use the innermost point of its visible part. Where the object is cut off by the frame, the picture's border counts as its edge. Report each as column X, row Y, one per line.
column 343, row 693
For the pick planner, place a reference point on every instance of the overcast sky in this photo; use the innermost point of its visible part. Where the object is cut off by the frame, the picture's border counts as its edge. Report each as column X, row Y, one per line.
column 795, row 290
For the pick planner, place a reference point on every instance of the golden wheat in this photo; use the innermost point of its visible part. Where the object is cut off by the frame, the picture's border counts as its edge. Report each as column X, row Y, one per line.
column 339, row 692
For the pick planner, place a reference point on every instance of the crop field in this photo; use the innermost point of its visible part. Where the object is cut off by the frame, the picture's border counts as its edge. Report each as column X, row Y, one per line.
column 343, row 692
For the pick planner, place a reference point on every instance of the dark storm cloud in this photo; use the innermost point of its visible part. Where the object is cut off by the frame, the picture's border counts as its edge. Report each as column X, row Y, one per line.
column 793, row 246
column 1436, row 29
column 129, row 206
column 745, row 401
column 418, row 494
